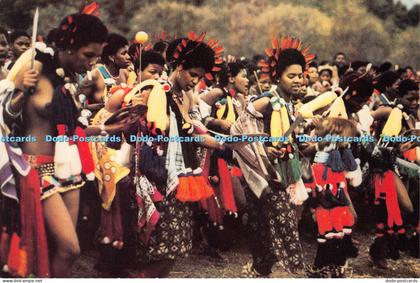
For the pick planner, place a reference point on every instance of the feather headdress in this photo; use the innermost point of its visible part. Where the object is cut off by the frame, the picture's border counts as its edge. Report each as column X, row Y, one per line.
column 274, row 52
column 185, row 47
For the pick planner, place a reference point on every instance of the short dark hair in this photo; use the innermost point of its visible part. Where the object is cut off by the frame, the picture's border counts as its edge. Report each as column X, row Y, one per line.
column 313, row 64
column 198, row 55
column 16, row 34
column 408, row 67
column 287, row 58
column 114, row 43
column 357, row 64
column 386, row 66
column 338, row 53
column 387, row 79
column 161, row 46
column 405, row 86
column 259, row 57
column 229, row 70
column 147, row 57
column 51, row 36
column 329, row 71
column 78, row 30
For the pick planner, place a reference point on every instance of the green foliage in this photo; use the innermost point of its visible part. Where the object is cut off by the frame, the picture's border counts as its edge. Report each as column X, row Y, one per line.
column 375, row 30
column 172, row 17
column 406, row 46
column 400, row 15
column 17, row 14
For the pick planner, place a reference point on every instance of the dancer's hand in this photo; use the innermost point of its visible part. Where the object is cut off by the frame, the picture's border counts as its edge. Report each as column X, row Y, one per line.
column 29, row 80
column 273, row 153
column 225, row 125
column 141, row 98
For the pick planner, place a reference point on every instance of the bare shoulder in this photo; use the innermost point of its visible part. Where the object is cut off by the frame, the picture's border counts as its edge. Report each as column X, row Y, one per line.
column 212, row 96
column 261, row 104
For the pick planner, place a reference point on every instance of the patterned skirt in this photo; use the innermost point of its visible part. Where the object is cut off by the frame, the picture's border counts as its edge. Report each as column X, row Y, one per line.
column 273, row 231
column 172, row 236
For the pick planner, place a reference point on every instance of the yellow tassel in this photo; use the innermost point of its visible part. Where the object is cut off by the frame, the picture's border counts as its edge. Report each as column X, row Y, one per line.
column 156, row 111
column 323, row 100
column 338, row 109
column 23, row 60
column 221, row 111
column 231, row 113
column 393, row 124
column 285, row 123
column 275, row 126
column 279, row 124
column 156, row 103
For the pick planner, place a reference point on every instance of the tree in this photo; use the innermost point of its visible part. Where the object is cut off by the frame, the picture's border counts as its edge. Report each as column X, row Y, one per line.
column 359, row 34
column 307, row 23
column 380, row 8
column 414, row 15
column 18, row 14
column 171, row 17
column 405, row 48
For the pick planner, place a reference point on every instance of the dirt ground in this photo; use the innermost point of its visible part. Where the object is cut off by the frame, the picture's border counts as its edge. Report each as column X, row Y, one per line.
column 199, row 265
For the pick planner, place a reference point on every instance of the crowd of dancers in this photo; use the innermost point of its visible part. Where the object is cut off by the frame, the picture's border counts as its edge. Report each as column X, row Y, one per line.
column 138, row 146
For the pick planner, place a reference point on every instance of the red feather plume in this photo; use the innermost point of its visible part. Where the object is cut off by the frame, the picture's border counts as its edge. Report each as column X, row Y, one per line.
column 91, row 9
column 277, row 47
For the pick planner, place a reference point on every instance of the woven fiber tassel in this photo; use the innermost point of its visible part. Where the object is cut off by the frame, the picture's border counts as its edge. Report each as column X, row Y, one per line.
column 348, row 160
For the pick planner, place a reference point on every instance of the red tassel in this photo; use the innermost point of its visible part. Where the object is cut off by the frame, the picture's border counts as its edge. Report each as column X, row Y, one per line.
column 195, row 190
column 13, row 259
column 226, row 187
column 206, row 190
column 323, row 220
column 336, row 218
column 32, row 223
column 23, row 263
column 386, row 184
column 84, row 152
column 182, row 192
column 215, row 211
column 236, row 172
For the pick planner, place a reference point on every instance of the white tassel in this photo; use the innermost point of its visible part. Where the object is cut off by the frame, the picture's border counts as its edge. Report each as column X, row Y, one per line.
column 61, row 158
column 62, row 170
column 365, row 118
column 61, row 150
column 355, row 177
column 90, row 176
column 75, row 163
column 124, row 154
column 298, row 193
